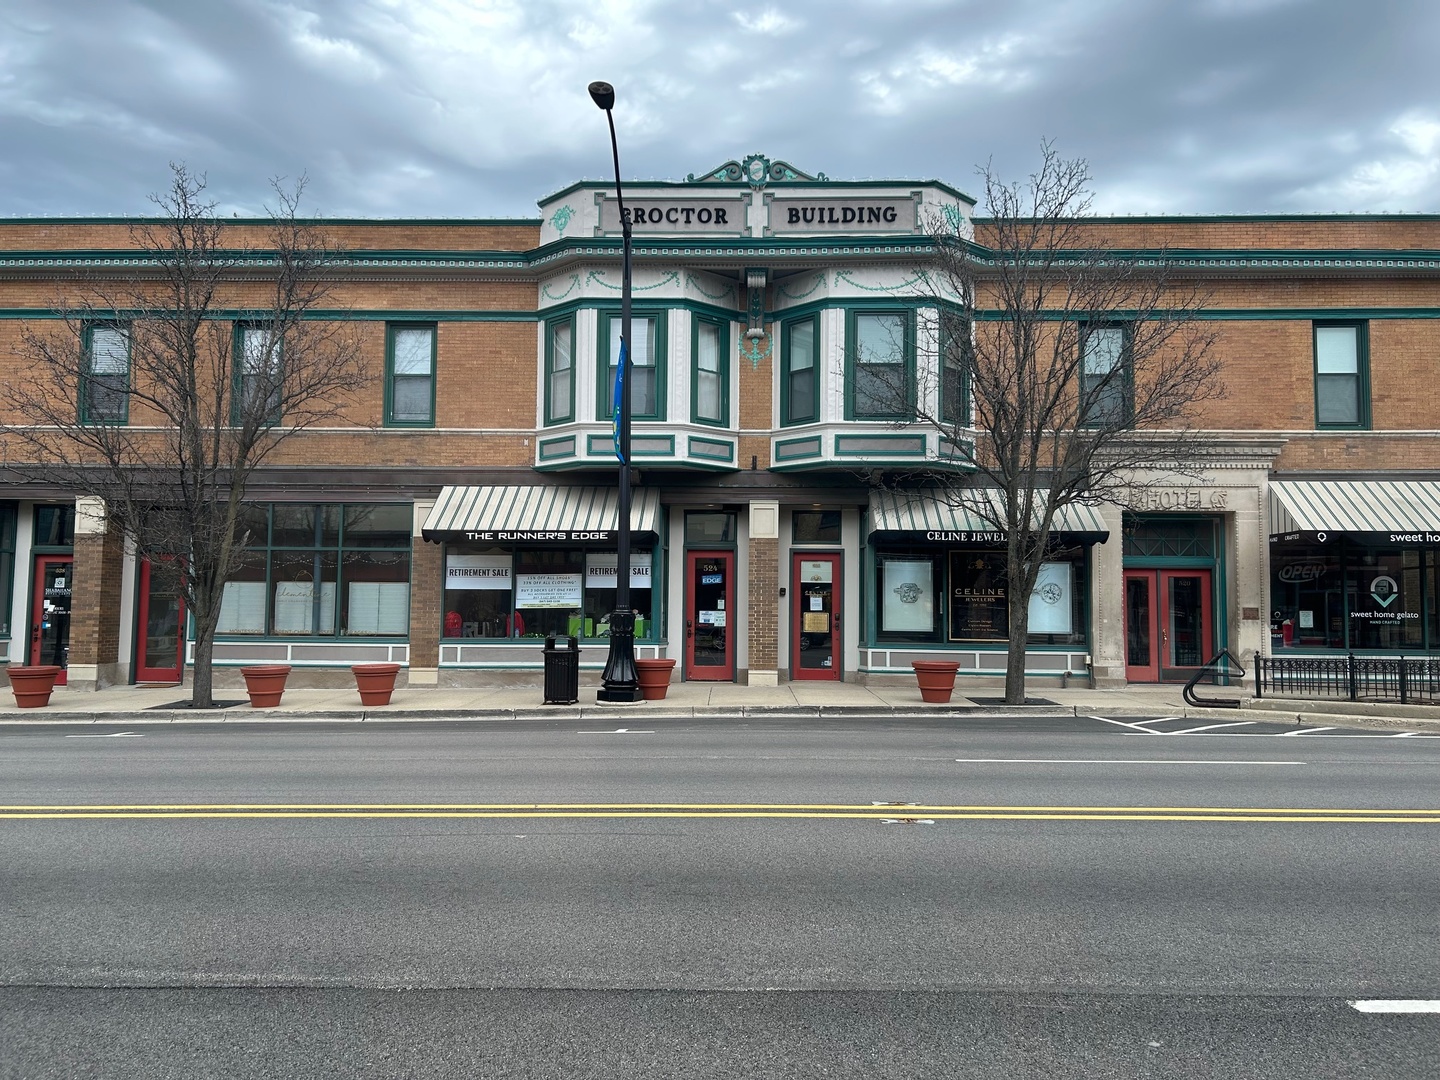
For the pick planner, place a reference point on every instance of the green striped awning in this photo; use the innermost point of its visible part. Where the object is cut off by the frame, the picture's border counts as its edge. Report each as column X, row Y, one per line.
column 930, row 516
column 481, row 514
column 1398, row 511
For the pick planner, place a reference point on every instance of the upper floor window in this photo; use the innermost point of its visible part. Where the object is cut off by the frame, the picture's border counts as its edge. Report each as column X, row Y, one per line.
column 1342, row 375
column 1107, row 391
column 646, row 372
column 881, row 359
column 105, row 390
column 799, row 371
column 410, row 376
column 955, row 359
column 258, row 372
column 559, row 371
column 712, row 372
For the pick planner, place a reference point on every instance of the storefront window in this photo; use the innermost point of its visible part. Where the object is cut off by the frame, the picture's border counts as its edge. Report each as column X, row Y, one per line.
column 497, row 592
column 321, row 570
column 1348, row 594
column 962, row 595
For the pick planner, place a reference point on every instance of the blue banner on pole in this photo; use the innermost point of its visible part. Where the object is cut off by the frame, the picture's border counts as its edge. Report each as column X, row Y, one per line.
column 619, row 400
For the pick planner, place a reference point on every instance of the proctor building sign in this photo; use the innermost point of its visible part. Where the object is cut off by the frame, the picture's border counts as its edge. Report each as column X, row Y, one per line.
column 709, row 215
column 799, row 215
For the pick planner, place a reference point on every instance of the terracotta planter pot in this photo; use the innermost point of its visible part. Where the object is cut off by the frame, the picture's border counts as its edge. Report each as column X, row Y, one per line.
column 376, row 682
column 936, row 678
column 654, row 678
column 32, row 684
column 265, row 683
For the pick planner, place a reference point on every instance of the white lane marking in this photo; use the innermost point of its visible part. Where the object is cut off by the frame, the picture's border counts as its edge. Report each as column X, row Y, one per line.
column 1399, row 1005
column 111, row 735
column 906, row 821
column 1132, row 727
column 1213, row 727
column 617, row 731
column 1306, row 731
column 1109, row 761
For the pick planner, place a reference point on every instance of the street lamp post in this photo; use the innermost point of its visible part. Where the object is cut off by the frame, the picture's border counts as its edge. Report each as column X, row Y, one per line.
column 619, row 683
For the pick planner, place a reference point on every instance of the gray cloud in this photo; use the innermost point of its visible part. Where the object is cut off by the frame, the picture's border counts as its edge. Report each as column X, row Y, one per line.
column 450, row 108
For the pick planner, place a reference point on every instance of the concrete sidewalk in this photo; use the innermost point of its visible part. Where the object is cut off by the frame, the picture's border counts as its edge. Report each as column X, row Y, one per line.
column 164, row 705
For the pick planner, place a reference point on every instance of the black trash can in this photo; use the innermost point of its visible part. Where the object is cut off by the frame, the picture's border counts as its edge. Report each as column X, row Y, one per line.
column 562, row 671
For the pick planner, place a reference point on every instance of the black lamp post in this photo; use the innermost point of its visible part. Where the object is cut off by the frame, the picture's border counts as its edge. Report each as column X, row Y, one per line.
column 619, row 682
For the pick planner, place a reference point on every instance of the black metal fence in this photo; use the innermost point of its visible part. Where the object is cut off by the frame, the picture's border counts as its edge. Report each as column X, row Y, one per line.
column 1409, row 680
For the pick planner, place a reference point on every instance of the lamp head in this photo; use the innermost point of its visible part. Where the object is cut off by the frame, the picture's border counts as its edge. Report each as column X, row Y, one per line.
column 603, row 94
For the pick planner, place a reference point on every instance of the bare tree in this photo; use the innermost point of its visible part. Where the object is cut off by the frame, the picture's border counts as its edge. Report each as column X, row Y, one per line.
column 155, row 396
column 1069, row 371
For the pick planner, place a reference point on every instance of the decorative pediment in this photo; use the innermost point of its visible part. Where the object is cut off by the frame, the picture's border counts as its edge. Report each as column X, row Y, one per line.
column 755, row 169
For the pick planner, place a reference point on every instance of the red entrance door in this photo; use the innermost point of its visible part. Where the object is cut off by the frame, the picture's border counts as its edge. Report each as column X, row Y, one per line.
column 50, row 613
column 815, row 616
column 709, row 616
column 1168, row 630
column 160, row 649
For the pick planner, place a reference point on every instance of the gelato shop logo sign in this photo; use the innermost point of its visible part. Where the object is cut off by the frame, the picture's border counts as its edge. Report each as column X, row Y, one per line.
column 1383, row 590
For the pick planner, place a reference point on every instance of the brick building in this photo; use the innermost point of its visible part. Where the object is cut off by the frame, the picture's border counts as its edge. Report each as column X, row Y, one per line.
column 469, row 509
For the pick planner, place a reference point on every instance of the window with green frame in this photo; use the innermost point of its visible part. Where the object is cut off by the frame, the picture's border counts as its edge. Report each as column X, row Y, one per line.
column 956, row 356
column 1107, row 385
column 560, row 371
column 710, row 387
column 880, row 358
column 321, row 570
column 410, row 375
column 259, row 371
column 800, row 370
column 647, row 364
column 105, row 388
column 1342, row 375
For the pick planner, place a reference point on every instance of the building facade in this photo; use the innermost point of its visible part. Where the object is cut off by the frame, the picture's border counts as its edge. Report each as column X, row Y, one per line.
column 467, row 509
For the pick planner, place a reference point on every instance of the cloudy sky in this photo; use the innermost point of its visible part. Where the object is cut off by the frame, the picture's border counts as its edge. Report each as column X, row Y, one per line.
column 477, row 108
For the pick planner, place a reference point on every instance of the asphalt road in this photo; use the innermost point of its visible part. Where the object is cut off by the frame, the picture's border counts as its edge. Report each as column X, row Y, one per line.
column 1013, row 896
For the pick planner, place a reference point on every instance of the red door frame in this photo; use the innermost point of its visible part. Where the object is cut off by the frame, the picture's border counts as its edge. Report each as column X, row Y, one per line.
column 724, row 672
column 37, row 611
column 798, row 608
column 1161, row 666
column 142, row 623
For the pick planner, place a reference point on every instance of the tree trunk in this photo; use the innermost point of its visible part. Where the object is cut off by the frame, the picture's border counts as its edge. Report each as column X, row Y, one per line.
column 202, row 693
column 1017, row 601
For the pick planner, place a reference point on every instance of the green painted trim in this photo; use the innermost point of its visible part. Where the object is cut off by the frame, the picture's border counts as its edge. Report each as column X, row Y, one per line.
column 722, row 328
column 553, row 413
column 1362, row 373
column 787, row 329
column 603, row 446
column 907, row 360
column 636, row 450
column 817, row 440
column 730, row 448
column 840, row 437
column 604, row 385
column 391, row 329
column 563, row 441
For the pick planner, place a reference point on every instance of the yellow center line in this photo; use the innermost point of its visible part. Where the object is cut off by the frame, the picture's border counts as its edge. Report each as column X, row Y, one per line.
column 839, row 811
column 882, row 809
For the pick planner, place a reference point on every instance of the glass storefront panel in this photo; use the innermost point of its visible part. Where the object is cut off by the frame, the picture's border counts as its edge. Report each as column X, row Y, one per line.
column 1346, row 594
column 503, row 592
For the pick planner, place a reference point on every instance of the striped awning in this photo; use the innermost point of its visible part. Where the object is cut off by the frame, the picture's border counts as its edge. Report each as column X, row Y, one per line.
column 482, row 514
column 929, row 516
column 1393, row 511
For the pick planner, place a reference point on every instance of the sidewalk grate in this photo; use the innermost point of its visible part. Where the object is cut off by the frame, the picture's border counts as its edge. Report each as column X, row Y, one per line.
column 186, row 705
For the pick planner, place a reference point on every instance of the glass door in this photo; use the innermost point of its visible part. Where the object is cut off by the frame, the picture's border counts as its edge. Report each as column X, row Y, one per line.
column 159, row 652
column 815, row 616
column 1168, row 627
column 50, row 613
column 709, row 603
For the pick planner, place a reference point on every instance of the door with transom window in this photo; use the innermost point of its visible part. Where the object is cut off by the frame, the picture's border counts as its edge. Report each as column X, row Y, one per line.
column 1168, row 630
